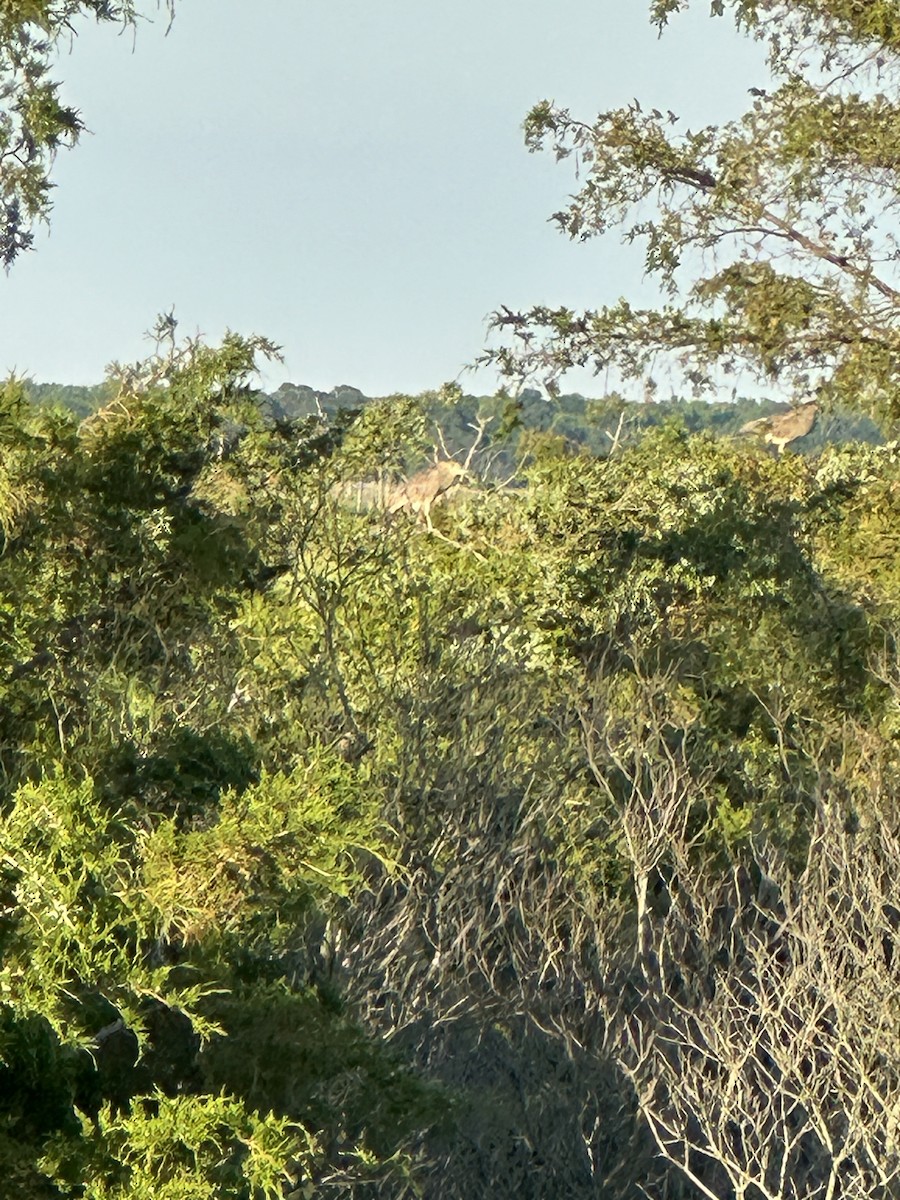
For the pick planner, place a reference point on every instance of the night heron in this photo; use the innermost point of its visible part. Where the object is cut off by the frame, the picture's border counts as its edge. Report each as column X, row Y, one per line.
column 780, row 429
column 421, row 490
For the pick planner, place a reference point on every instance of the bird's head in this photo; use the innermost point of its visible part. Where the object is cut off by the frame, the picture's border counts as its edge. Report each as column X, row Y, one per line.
column 450, row 470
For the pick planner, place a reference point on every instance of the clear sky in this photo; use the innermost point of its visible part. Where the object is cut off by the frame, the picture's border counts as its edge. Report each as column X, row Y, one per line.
column 347, row 177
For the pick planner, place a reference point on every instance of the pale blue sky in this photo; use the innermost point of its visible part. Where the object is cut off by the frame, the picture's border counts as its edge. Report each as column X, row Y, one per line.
column 347, row 177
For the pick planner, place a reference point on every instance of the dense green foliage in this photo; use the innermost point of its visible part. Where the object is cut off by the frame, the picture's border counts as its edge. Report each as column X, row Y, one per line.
column 580, row 422
column 313, row 864
column 167, row 868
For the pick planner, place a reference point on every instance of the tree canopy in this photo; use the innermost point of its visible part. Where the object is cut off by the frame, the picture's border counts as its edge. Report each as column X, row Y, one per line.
column 341, row 857
column 773, row 237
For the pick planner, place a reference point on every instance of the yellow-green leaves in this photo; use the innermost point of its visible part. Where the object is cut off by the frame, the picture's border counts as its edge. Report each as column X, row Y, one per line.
column 269, row 854
column 77, row 923
column 183, row 1148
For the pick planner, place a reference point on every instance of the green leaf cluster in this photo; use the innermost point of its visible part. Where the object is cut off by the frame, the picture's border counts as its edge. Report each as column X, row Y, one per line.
column 171, row 866
column 34, row 122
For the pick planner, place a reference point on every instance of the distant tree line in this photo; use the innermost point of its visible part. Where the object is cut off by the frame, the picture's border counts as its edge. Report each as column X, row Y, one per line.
column 575, row 421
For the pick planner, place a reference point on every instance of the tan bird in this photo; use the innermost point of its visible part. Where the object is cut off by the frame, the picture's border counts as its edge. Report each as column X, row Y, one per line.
column 780, row 429
column 421, row 490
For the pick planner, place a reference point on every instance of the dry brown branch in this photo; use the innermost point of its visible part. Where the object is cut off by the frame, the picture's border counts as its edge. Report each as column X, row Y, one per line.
column 769, row 1065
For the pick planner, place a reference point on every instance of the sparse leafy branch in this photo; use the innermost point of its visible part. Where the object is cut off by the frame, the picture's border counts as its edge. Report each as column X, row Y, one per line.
column 34, row 122
column 772, row 236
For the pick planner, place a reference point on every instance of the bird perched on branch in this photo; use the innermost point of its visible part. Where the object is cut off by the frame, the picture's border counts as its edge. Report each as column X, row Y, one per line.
column 421, row 490
column 780, row 429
